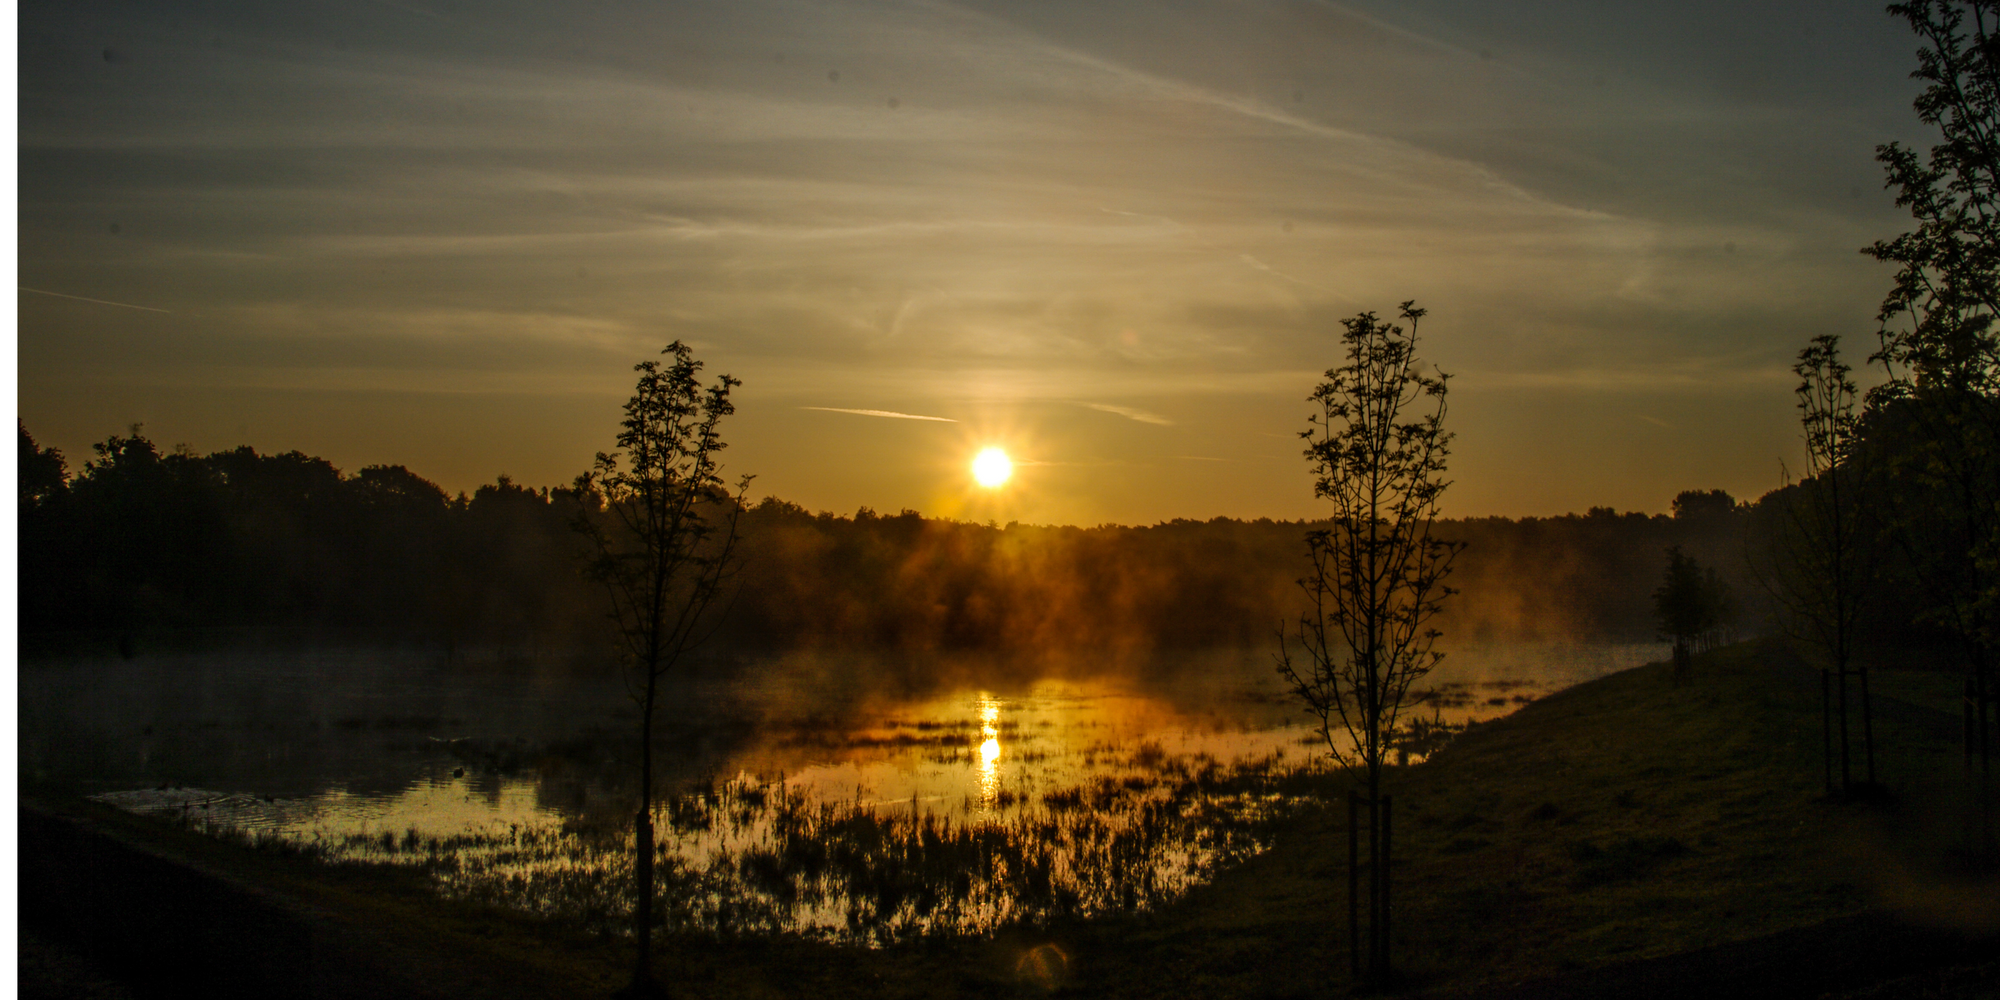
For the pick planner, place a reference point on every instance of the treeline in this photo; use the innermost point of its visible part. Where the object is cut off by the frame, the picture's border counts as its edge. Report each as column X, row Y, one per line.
column 139, row 541
column 142, row 541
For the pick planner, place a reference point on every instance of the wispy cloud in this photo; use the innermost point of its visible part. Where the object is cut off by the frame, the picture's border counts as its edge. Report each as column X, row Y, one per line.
column 1139, row 215
column 880, row 413
column 1399, row 31
column 1389, row 159
column 1697, row 375
column 1130, row 413
column 419, row 11
column 513, row 202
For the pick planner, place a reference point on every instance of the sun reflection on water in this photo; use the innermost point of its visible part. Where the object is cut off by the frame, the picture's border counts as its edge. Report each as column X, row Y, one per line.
column 989, row 750
column 961, row 811
column 958, row 814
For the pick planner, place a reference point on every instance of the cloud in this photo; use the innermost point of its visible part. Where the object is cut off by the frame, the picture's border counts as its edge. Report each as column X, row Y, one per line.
column 1132, row 414
column 879, row 413
column 1684, row 376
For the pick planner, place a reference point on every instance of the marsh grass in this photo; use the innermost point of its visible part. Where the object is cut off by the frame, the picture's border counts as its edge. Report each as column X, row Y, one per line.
column 743, row 857
column 750, row 858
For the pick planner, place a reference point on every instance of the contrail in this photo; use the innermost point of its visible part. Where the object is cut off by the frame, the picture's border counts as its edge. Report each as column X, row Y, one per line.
column 1131, row 414
column 879, row 413
column 433, row 15
column 1274, row 272
column 101, row 302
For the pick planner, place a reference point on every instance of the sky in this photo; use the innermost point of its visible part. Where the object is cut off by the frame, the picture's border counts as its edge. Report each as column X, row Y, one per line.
column 1116, row 239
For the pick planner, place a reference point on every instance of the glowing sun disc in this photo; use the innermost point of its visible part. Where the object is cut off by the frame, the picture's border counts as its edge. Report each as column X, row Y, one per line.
column 992, row 467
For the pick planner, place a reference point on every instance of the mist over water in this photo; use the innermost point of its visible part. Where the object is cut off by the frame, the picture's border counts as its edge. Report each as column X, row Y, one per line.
column 508, row 780
column 289, row 724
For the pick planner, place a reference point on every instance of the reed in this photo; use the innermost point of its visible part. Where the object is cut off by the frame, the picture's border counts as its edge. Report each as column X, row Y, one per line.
column 746, row 857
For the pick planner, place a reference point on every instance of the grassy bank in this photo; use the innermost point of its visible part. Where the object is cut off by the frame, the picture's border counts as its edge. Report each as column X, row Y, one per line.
column 1622, row 819
column 1619, row 820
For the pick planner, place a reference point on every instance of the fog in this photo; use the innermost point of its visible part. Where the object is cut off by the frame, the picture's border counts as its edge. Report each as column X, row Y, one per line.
column 292, row 723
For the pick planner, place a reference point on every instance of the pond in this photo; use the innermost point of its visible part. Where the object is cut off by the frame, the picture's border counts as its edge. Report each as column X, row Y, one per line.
column 827, row 796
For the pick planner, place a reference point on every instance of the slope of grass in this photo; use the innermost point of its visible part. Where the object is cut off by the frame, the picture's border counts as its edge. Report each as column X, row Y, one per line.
column 1621, row 819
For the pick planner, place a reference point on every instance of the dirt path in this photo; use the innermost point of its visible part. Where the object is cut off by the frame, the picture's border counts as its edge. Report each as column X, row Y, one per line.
column 106, row 910
column 1836, row 958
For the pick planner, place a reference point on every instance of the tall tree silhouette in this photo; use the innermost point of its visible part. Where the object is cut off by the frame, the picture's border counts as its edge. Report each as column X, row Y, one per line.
column 1823, row 557
column 1377, row 447
column 1938, row 338
column 661, row 529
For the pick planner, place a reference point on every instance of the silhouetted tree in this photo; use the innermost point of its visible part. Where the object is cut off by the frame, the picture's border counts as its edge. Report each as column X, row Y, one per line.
column 660, row 542
column 153, row 535
column 1697, row 505
column 1377, row 448
column 47, row 565
column 1937, row 321
column 1692, row 605
column 1938, row 338
column 1822, row 558
column 43, row 473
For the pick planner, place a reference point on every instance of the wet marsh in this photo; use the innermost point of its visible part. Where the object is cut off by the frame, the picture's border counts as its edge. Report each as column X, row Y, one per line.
column 857, row 820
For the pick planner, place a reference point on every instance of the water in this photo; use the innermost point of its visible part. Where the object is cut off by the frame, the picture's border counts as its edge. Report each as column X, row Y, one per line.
column 807, row 795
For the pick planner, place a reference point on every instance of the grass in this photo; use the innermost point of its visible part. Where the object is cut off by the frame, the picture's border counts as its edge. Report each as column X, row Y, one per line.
column 1624, row 818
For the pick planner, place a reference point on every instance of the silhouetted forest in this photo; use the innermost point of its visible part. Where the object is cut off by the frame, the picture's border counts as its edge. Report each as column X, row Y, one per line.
column 139, row 541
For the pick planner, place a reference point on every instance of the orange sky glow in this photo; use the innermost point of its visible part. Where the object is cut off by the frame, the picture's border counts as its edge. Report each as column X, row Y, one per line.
column 1115, row 240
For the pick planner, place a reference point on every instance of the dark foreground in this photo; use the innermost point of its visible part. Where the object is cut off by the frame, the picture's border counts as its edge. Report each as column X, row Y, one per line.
column 1625, row 838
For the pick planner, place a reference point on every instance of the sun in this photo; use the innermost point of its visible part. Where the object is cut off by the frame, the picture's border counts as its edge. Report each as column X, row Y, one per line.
column 992, row 467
